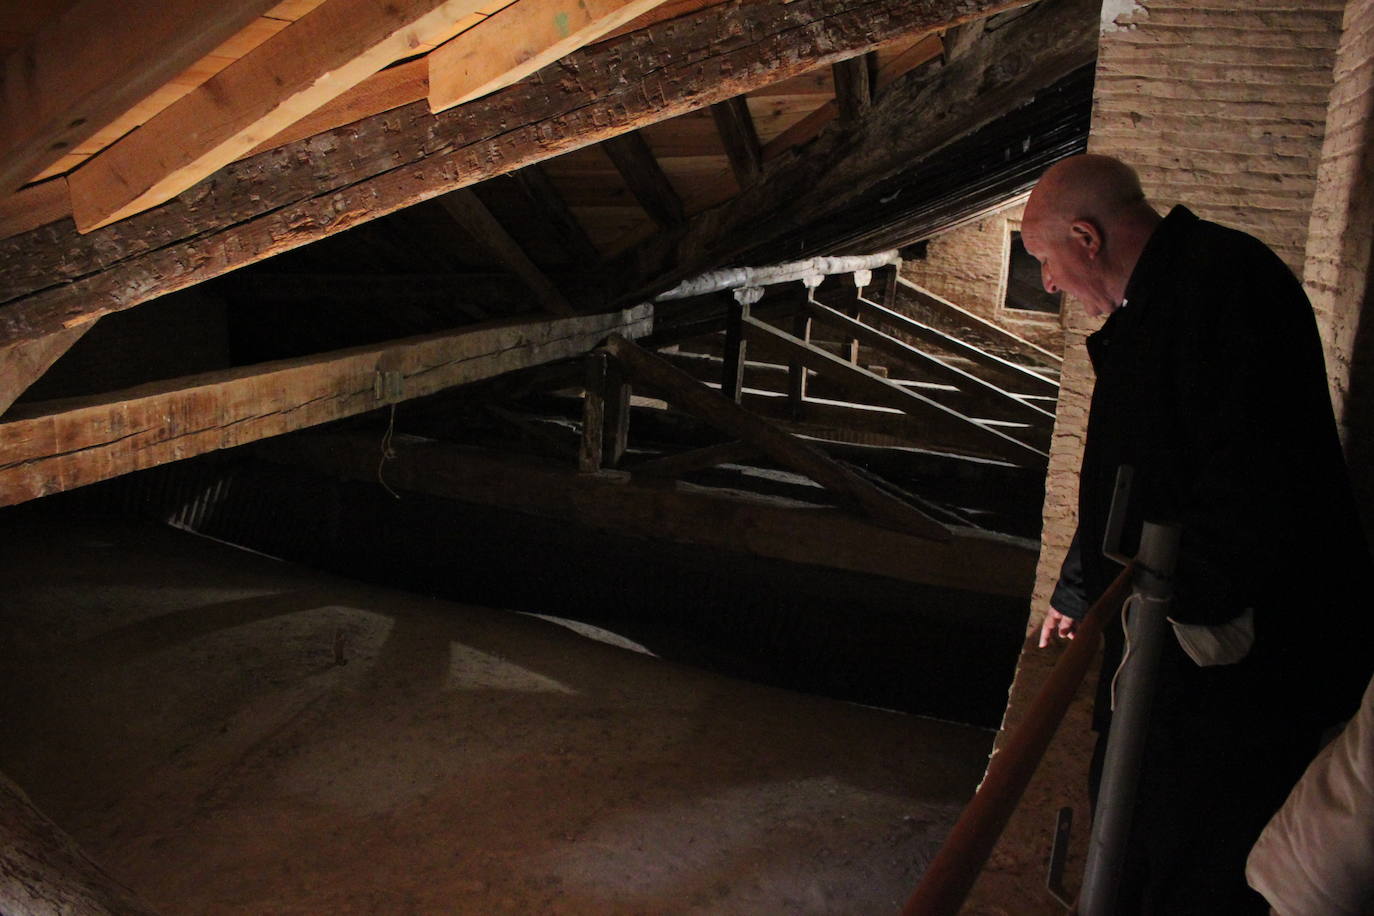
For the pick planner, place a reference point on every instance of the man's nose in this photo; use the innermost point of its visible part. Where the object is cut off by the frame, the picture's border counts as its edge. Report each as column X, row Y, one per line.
column 1047, row 281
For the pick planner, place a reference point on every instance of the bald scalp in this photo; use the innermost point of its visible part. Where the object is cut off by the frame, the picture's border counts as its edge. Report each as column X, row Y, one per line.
column 1100, row 189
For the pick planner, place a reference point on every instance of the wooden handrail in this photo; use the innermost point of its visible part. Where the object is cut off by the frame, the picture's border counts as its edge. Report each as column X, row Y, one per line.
column 950, row 876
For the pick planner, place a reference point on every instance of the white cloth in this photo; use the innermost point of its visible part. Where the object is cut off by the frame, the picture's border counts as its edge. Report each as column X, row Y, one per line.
column 1316, row 856
column 1222, row 644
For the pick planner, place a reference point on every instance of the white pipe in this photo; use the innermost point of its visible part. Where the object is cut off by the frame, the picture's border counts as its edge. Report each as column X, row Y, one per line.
column 732, row 277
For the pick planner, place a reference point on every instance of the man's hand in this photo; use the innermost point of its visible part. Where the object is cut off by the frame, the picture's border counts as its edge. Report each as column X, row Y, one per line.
column 1056, row 624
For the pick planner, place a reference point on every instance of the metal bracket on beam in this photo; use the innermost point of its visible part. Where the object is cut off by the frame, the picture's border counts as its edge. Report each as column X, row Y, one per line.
column 389, row 387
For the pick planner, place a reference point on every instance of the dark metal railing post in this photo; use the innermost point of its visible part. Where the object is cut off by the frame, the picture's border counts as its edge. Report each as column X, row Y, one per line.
column 1147, row 628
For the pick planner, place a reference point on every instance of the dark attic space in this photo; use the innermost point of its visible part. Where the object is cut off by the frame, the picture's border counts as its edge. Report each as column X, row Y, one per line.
column 576, row 499
column 577, row 458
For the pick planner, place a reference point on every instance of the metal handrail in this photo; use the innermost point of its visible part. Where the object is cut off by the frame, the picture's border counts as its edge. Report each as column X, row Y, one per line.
column 950, row 876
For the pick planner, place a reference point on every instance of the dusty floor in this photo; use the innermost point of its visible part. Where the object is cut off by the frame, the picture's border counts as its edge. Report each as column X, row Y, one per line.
column 179, row 707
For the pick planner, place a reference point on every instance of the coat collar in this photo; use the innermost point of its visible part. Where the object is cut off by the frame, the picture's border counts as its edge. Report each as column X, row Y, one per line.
column 1154, row 264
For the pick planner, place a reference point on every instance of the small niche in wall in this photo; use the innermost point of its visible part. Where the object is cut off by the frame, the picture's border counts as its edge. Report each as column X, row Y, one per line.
column 1024, row 290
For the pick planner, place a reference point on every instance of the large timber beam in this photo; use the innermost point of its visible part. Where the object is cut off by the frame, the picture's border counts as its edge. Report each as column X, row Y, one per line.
column 326, row 52
column 517, row 41
column 54, row 446
column 23, row 364
column 280, row 199
column 978, row 561
column 635, row 162
column 738, row 135
column 912, row 120
column 482, row 224
column 73, row 78
column 544, row 199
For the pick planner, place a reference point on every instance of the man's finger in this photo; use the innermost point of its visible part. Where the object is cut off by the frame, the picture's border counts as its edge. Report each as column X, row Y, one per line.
column 1047, row 628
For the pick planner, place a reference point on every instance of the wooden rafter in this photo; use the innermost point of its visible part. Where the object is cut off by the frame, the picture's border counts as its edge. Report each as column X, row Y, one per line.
column 923, row 51
column 741, row 141
column 315, row 188
column 906, row 124
column 53, row 446
column 34, row 206
column 22, row 364
column 696, row 460
column 635, row 162
column 970, row 324
column 326, row 52
column 548, row 203
column 941, row 370
column 875, row 389
column 472, row 215
column 72, row 79
column 772, row 371
column 695, row 398
column 517, row 41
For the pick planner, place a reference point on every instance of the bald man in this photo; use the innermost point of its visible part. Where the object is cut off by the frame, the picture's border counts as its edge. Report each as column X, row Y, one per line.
column 1211, row 386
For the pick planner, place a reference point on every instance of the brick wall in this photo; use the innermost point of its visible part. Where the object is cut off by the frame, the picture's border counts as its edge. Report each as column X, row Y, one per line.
column 1223, row 108
column 968, row 266
column 1340, row 239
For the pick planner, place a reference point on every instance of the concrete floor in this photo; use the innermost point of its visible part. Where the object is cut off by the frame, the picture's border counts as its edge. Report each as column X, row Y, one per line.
column 227, row 733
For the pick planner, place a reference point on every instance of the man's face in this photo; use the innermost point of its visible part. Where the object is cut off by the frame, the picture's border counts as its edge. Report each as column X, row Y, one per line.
column 1069, row 262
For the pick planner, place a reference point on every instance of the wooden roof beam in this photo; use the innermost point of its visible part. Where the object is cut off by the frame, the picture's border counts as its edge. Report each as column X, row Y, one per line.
column 735, row 125
column 319, row 186
column 73, row 79
column 909, row 122
column 636, row 164
column 329, row 50
column 24, row 363
column 54, row 446
column 541, row 194
column 473, row 216
column 927, row 49
column 520, row 39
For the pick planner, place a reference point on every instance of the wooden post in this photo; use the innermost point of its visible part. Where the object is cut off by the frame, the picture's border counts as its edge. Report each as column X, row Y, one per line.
column 796, row 370
column 732, row 373
column 591, row 456
column 616, row 423
column 853, row 87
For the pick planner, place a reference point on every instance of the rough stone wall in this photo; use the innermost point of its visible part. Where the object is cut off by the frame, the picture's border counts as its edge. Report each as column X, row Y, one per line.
column 1220, row 106
column 968, row 266
column 1341, row 242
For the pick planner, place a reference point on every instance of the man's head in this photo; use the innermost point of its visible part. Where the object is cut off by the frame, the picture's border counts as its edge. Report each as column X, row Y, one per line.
column 1086, row 223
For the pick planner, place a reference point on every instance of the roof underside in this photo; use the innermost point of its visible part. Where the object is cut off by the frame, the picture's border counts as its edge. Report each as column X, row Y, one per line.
column 298, row 179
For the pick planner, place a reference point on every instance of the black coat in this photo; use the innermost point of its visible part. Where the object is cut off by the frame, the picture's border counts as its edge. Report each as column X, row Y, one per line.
column 1211, row 385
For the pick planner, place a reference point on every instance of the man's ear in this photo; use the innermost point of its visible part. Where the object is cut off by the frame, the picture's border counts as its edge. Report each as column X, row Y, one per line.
column 1086, row 234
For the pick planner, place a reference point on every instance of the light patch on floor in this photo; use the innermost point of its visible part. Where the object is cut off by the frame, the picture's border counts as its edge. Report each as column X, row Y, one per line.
column 471, row 669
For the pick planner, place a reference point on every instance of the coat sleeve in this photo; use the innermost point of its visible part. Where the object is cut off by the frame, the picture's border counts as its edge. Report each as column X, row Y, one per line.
column 1316, row 856
column 1070, row 597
